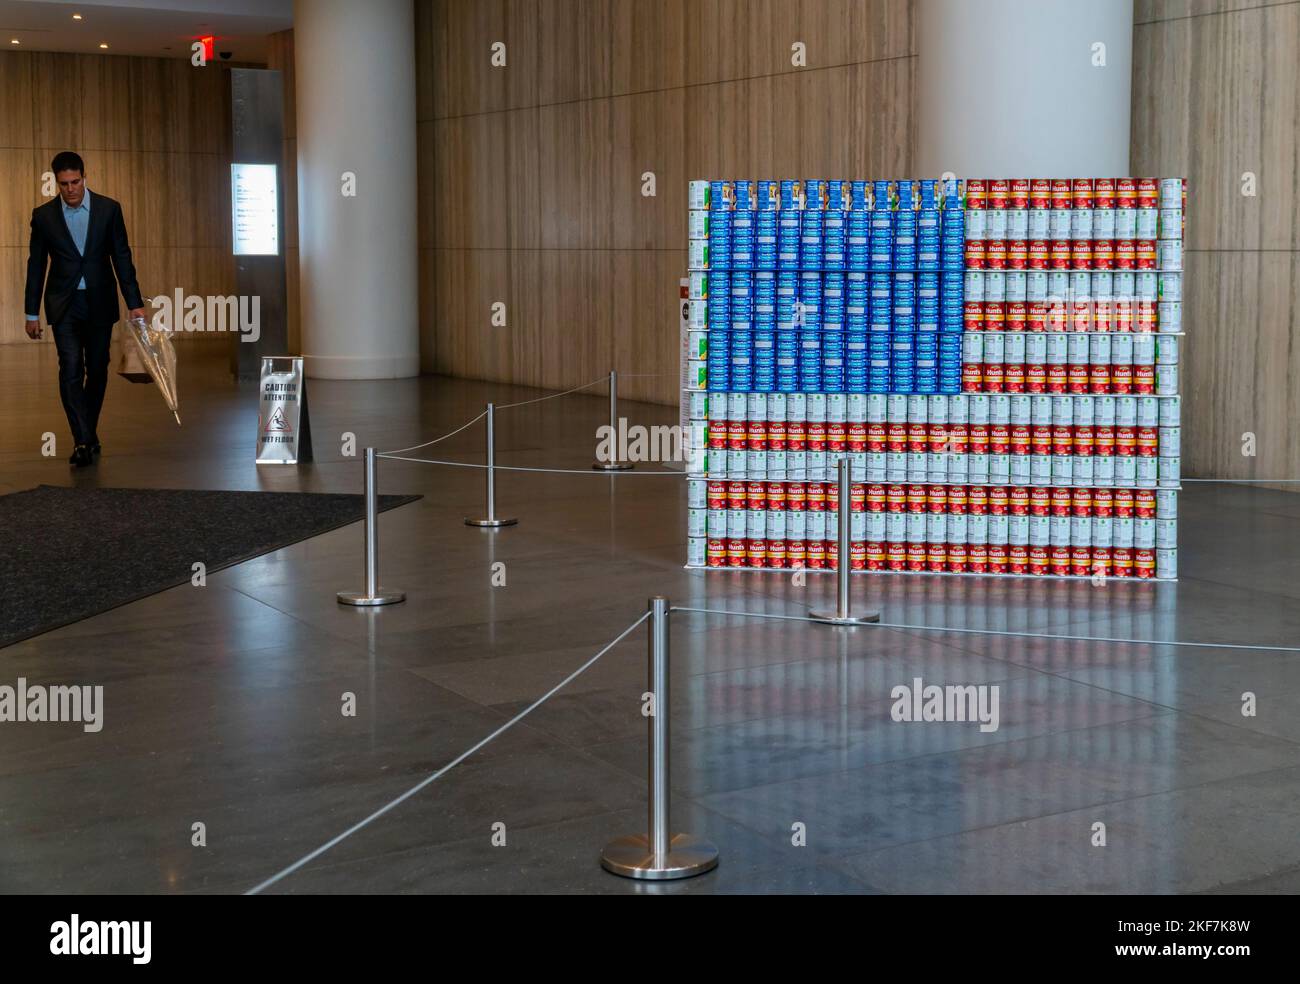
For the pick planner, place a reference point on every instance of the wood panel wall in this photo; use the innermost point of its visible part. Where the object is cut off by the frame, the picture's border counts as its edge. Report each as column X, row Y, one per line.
column 1216, row 94
column 154, row 135
column 279, row 56
column 531, row 174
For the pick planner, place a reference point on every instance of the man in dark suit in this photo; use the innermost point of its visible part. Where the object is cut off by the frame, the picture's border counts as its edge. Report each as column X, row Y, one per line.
column 82, row 238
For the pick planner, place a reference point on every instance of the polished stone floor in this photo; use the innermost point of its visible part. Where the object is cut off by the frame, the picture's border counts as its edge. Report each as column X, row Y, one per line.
column 223, row 704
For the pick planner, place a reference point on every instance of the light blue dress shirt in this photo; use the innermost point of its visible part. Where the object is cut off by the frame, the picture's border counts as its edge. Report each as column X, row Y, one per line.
column 78, row 222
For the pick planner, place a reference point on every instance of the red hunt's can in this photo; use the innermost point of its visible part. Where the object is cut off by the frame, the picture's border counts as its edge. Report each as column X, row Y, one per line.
column 1121, row 562
column 718, row 435
column 796, row 435
column 833, row 500
column 973, row 315
column 977, row 558
column 918, row 440
column 816, row 496
column 717, row 553
column 832, row 550
column 756, row 495
column 1078, row 378
column 1144, row 564
column 1040, row 441
column 816, row 435
column 1059, row 560
column 897, row 436
column 876, row 437
column 1062, row 501
column 1099, row 378
column 737, row 495
column 1003, row 558
column 857, row 497
column 936, row 557
column 994, row 377
column 957, row 558
column 776, row 497
column 896, row 556
column 1017, row 254
column 1101, row 566
column 876, row 555
column 1144, row 380
column 1083, row 440
column 1061, row 197
column 999, row 439
column 1102, row 313
column 1013, row 378
column 877, row 499
column 1148, row 193
column 916, row 556
column 1103, row 254
column 1125, row 254
column 1125, row 193
column 995, row 315
column 776, row 555
column 1019, row 193
column 1062, row 439
column 975, row 254
column 756, row 435
column 1040, row 501
column 776, row 435
column 995, row 254
column 1017, row 315
column 737, row 435
column 815, row 555
column 1081, row 316
column 736, row 552
column 1103, row 503
column 958, row 438
column 1104, row 193
column 1082, row 193
column 1059, row 252
column 997, row 499
column 896, row 499
column 796, row 553
column 936, row 499
column 858, row 556
column 1057, row 379
column 1125, row 441
column 836, row 436
column 1081, row 561
column 1081, row 254
column 717, row 495
column 1146, row 317
column 1123, row 503
column 1145, row 254
column 796, row 497
column 976, row 193
column 1018, row 501
column 1036, row 315
column 1144, row 503
column 1121, row 379
column 957, row 503
column 977, row 500
column 938, row 439
column 1148, row 442
column 916, row 498
column 1039, row 254
column 999, row 193
column 1038, row 561
column 857, row 438
column 979, row 438
column 1104, row 440
column 1040, row 193
column 1081, row 502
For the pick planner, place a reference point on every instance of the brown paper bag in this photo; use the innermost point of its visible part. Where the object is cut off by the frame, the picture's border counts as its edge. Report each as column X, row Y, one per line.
column 127, row 361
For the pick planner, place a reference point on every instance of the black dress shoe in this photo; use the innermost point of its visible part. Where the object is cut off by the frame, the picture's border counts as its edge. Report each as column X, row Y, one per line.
column 81, row 456
column 95, row 449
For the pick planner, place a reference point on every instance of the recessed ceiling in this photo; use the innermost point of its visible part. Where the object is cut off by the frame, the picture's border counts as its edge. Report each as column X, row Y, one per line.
column 156, row 28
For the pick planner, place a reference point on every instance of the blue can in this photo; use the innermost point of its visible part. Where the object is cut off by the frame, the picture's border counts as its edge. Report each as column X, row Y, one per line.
column 720, row 196
column 814, row 191
column 881, row 197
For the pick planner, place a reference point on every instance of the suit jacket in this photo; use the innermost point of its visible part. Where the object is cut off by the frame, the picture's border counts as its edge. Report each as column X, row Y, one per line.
column 107, row 252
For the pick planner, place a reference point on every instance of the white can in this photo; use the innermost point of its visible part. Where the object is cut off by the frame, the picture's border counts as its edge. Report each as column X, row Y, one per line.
column 697, row 254
column 1049, row 531
column 815, row 525
column 1000, row 469
column 697, row 315
column 1167, row 565
column 737, row 523
column 1169, row 316
column 1063, row 469
column 1171, row 223
column 697, row 404
column 1104, row 413
column 877, row 526
column 697, row 194
column 837, row 408
column 1125, row 530
column 1170, row 471
column 1036, row 285
column 697, row 224
column 1017, row 223
column 897, row 409
column 737, row 406
column 1084, row 476
column 737, row 464
column 1081, row 531
column 1166, row 504
column 1146, row 285
column 697, row 521
column 1040, row 469
column 1000, row 529
column 1144, row 534
column 979, row 469
column 697, row 287
column 1035, row 348
column 936, row 528
column 995, row 285
column 1085, row 410
column 1166, row 534
column 756, row 524
column 1144, row 350
column 1014, row 348
column 1038, row 223
column 937, row 410
column 959, row 408
column 918, row 409
column 1063, row 411
column 856, row 413
column 696, row 375
column 1103, row 531
column 697, row 344
column 972, row 346
column 778, row 524
column 877, row 470
column 796, row 525
column 916, row 526
column 1080, row 223
column 756, row 465
column 1171, row 193
column 876, row 408
column 896, row 466
column 1126, row 223
column 958, row 469
column 1021, row 409
column 717, row 523
column 1103, row 471
column 1148, row 411
column 977, row 223
column 1126, row 411
column 1058, row 223
column 1167, row 350
column 696, row 551
column 1103, row 223
column 796, row 406
column 816, row 408
column 994, row 348
column 1169, row 254
column 995, row 225
column 1166, row 380
column 1125, row 471
column 1148, row 223
column 1021, row 469
column 1099, row 349
column 1171, row 412
column 816, row 466
column 1147, row 471
column 896, row 527
column 1170, row 442
column 1169, row 286
column 697, row 493
column 1056, row 349
column 977, row 528
column 973, row 285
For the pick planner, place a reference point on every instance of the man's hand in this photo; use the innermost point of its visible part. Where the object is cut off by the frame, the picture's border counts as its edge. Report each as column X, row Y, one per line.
column 136, row 313
column 34, row 328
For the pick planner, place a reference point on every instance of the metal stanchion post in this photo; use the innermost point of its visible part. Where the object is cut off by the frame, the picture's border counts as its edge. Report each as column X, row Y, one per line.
column 843, row 615
column 373, row 595
column 491, row 521
column 659, row 855
column 613, row 464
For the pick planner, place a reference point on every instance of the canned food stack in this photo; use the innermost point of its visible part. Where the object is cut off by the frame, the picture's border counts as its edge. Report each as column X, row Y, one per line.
column 1070, row 383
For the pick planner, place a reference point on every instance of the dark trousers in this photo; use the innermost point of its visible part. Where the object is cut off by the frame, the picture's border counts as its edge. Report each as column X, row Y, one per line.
column 83, row 368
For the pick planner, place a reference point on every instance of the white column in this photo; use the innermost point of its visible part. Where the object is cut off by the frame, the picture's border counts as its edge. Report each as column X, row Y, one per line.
column 1024, row 88
column 359, row 256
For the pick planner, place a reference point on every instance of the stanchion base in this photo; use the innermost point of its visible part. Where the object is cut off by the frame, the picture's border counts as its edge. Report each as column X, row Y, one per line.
column 631, row 857
column 490, row 524
column 833, row 617
column 360, row 599
column 613, row 466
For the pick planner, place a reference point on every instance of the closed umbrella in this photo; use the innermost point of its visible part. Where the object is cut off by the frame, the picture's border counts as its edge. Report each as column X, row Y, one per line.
column 154, row 346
